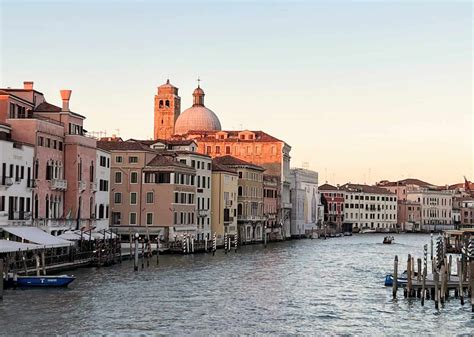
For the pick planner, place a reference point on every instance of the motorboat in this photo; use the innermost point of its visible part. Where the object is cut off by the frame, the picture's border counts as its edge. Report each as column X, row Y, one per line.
column 402, row 280
column 43, row 281
column 388, row 240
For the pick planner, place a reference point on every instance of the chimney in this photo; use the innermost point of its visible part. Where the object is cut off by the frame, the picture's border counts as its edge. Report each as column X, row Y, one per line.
column 28, row 85
column 66, row 95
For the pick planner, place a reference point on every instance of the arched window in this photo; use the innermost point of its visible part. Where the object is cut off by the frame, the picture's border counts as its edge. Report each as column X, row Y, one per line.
column 36, row 168
column 167, row 103
column 47, row 207
column 91, row 208
column 91, row 172
column 36, row 206
column 239, row 209
column 240, row 191
column 101, row 211
column 161, row 103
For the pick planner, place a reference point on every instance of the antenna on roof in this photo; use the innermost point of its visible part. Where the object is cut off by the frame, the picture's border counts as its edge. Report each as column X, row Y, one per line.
column 199, row 81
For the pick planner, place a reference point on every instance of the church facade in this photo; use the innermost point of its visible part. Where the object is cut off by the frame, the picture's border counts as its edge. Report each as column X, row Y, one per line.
column 202, row 125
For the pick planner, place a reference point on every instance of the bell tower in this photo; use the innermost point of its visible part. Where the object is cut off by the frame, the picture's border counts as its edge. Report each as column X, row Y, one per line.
column 167, row 110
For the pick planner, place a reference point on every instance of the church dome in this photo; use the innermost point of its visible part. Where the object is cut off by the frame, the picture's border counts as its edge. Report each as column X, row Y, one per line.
column 197, row 117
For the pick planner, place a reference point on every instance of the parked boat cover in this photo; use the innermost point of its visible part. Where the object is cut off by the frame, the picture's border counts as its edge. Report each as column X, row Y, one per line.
column 37, row 236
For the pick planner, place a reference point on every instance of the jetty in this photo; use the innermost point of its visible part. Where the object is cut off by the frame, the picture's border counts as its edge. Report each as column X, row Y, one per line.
column 441, row 283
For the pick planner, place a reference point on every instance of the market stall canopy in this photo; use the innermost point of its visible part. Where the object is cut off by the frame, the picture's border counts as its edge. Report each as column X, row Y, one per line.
column 36, row 235
column 7, row 246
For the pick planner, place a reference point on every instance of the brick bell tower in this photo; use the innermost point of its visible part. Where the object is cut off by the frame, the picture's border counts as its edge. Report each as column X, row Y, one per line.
column 167, row 110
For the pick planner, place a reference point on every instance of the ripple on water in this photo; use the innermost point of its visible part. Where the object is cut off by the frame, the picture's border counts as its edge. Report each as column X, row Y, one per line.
column 299, row 287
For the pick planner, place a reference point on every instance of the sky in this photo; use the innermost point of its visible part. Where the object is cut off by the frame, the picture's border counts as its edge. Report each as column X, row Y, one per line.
column 361, row 91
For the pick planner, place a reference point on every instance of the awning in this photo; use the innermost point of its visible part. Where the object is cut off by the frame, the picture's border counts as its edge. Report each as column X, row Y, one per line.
column 7, row 246
column 36, row 235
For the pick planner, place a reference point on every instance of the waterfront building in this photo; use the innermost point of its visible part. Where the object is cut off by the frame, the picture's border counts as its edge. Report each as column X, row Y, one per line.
column 224, row 201
column 271, row 207
column 102, row 188
column 332, row 200
column 464, row 207
column 16, row 180
column 369, row 207
column 64, row 158
column 304, row 201
column 434, row 202
column 250, row 217
column 202, row 125
column 151, row 193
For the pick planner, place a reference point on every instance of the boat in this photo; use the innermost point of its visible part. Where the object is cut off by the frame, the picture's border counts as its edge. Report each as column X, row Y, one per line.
column 388, row 240
column 44, row 281
column 367, row 230
column 402, row 280
column 347, row 234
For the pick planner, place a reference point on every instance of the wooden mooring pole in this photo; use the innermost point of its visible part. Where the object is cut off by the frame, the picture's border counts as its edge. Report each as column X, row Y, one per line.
column 409, row 277
column 471, row 281
column 436, row 292
column 1, row 279
column 395, row 277
column 460, row 276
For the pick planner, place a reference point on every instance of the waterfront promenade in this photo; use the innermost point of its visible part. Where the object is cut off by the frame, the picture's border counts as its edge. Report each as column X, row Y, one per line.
column 300, row 286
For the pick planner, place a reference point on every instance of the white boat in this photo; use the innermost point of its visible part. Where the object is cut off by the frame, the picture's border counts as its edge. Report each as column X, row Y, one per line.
column 367, row 230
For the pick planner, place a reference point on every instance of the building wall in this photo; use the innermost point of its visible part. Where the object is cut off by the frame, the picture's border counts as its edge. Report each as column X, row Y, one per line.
column 304, row 200
column 409, row 215
column 102, row 188
column 166, row 114
column 16, row 189
column 334, row 214
column 436, row 208
column 375, row 211
column 224, row 200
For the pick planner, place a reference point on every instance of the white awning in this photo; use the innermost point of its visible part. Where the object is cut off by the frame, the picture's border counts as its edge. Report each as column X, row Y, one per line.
column 36, row 235
column 7, row 246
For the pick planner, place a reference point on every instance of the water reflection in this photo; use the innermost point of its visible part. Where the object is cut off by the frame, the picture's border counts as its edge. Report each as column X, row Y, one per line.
column 308, row 286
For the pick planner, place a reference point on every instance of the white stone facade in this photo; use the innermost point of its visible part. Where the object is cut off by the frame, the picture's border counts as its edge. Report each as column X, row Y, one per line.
column 102, row 188
column 436, row 208
column 304, row 201
column 16, row 180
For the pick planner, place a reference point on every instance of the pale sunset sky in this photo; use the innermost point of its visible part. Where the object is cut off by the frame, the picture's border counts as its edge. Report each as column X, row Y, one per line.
column 362, row 91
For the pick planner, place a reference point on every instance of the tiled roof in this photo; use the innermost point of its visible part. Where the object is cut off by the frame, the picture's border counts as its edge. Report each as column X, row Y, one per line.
column 327, row 187
column 221, row 168
column 47, row 107
column 122, row 146
column 404, row 182
column 364, row 188
column 260, row 136
column 160, row 160
column 233, row 161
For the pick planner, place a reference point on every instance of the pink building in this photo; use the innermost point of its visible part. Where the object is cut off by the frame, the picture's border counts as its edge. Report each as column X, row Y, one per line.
column 64, row 159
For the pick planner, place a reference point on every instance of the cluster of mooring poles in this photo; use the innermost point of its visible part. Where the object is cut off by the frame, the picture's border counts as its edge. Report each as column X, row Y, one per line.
column 142, row 248
column 438, row 285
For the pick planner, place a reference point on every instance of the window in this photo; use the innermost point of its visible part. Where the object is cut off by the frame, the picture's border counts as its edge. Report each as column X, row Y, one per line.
column 118, row 159
column 40, row 141
column 60, row 146
column 218, row 149
column 103, row 161
column 133, row 178
column 227, row 150
column 133, row 218
column 133, row 198
column 116, row 218
column 208, row 150
column 149, row 218
column 149, row 197
column 118, row 177
column 133, row 159
column 118, row 197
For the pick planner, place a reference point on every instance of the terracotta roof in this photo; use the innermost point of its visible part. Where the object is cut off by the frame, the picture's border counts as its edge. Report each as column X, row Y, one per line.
column 233, row 161
column 122, row 146
column 364, row 188
column 173, row 142
column 404, row 182
column 160, row 160
column 260, row 136
column 327, row 187
column 221, row 168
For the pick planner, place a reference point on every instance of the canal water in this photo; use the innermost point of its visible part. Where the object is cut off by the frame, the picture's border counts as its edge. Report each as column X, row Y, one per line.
column 332, row 286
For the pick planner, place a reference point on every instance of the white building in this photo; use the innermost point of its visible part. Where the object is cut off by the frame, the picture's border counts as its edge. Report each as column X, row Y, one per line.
column 436, row 208
column 304, row 201
column 369, row 207
column 16, row 180
column 102, row 188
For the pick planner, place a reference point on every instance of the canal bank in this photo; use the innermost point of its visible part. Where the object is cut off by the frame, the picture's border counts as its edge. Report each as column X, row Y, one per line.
column 301, row 286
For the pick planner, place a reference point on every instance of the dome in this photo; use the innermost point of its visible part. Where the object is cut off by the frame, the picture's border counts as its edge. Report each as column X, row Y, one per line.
column 197, row 117
column 198, row 91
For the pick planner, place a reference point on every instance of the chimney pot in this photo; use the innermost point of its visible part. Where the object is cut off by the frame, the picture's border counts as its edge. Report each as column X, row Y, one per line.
column 28, row 85
column 66, row 96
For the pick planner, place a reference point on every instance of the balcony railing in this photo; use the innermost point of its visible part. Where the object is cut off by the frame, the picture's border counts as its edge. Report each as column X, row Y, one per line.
column 203, row 212
column 81, row 185
column 31, row 183
column 228, row 203
column 228, row 219
column 93, row 186
column 64, row 223
column 58, row 184
column 18, row 215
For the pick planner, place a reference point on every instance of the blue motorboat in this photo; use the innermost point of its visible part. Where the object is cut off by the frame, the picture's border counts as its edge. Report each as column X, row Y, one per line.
column 402, row 280
column 44, row 281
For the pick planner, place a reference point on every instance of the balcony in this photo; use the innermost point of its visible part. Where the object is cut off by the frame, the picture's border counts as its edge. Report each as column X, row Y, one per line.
column 251, row 218
column 229, row 219
column 31, row 183
column 93, row 187
column 6, row 182
column 202, row 213
column 228, row 203
column 81, row 185
column 18, row 215
column 58, row 184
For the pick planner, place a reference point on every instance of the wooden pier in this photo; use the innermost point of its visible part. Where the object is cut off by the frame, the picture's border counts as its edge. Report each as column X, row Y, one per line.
column 441, row 283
